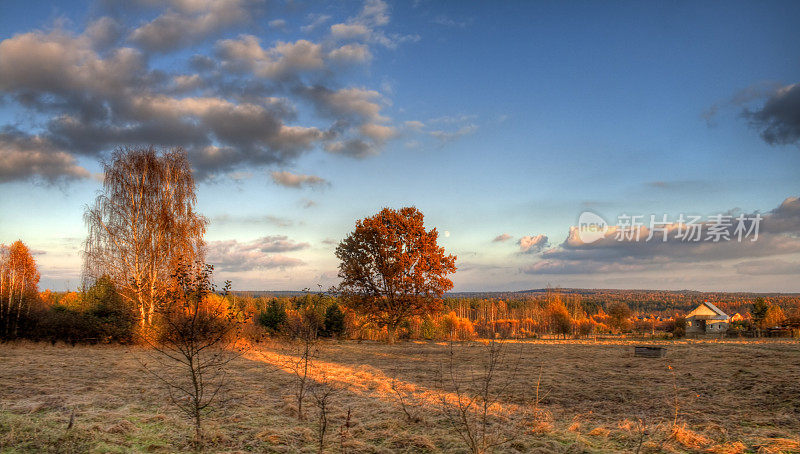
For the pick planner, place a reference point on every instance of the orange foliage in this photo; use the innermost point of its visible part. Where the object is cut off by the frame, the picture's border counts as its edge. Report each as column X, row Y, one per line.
column 393, row 269
column 19, row 282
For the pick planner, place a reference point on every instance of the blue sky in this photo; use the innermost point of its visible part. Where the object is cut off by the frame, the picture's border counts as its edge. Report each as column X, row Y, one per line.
column 493, row 118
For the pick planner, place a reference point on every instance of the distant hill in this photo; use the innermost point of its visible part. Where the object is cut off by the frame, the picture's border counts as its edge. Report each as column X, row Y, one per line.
column 585, row 291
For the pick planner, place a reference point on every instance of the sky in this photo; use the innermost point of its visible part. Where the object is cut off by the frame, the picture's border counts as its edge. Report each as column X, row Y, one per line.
column 501, row 121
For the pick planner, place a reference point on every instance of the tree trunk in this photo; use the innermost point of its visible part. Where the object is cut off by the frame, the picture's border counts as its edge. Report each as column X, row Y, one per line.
column 391, row 331
column 198, row 431
column 10, row 304
column 19, row 306
column 142, row 313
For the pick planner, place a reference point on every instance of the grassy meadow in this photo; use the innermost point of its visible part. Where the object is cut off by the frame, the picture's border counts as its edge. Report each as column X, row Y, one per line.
column 731, row 396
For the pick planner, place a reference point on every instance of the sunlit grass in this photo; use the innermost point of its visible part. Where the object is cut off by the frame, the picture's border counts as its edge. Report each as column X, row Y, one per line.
column 733, row 396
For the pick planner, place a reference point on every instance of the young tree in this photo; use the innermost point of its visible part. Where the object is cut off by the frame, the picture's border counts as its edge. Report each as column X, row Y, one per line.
column 392, row 268
column 116, row 320
column 619, row 316
column 475, row 395
column 19, row 287
column 143, row 224
column 759, row 312
column 273, row 317
column 775, row 316
column 304, row 327
column 560, row 320
column 195, row 342
column 334, row 321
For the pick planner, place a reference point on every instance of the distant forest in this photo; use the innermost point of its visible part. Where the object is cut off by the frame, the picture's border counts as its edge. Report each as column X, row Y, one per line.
column 642, row 302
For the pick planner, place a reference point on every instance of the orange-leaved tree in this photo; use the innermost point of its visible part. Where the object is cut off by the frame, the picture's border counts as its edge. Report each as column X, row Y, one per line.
column 19, row 282
column 392, row 268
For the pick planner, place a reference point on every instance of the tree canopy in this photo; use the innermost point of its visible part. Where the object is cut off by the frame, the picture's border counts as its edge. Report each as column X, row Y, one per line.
column 19, row 286
column 392, row 268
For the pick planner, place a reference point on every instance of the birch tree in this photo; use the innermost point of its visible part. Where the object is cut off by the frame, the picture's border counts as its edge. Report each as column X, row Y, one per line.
column 19, row 282
column 143, row 225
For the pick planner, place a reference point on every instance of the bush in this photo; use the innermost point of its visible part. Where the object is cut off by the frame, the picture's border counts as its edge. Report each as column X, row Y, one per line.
column 61, row 323
column 334, row 321
column 273, row 317
column 456, row 328
column 114, row 320
column 428, row 329
column 585, row 326
column 97, row 315
column 679, row 330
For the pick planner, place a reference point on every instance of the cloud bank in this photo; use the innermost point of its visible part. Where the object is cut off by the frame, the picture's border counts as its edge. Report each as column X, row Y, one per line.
column 779, row 234
column 231, row 102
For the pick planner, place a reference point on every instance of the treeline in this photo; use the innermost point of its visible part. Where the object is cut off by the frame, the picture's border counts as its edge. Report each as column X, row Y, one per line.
column 100, row 314
column 662, row 303
column 146, row 242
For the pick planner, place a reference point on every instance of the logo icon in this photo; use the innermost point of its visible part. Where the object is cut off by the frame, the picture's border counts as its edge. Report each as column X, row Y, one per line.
column 591, row 227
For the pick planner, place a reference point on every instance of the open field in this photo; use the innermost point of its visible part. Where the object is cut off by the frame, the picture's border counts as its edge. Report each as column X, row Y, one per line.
column 732, row 397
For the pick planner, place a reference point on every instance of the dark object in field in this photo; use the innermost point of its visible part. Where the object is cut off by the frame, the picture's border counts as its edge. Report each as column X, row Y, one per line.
column 649, row 351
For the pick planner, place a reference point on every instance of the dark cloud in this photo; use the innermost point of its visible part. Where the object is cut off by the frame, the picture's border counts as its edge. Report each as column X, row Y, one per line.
column 359, row 129
column 768, row 267
column 778, row 120
column 98, row 90
column 354, row 148
column 24, row 156
column 785, row 218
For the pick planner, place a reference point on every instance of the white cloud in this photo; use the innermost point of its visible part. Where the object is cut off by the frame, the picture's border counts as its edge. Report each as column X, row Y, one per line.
column 188, row 22
column 531, row 244
column 263, row 253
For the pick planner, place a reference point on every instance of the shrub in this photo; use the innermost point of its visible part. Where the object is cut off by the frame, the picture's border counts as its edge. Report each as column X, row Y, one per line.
column 585, row 327
column 61, row 323
column 456, row 328
column 273, row 317
column 114, row 320
column 334, row 321
column 428, row 329
column 679, row 330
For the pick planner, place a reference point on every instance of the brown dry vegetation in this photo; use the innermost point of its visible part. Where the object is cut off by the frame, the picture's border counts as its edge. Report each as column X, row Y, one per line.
column 733, row 396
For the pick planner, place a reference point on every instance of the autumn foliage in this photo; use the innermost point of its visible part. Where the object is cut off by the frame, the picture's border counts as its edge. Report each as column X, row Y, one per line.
column 19, row 281
column 143, row 225
column 392, row 268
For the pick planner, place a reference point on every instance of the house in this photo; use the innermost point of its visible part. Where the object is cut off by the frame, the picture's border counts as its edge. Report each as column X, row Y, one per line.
column 707, row 319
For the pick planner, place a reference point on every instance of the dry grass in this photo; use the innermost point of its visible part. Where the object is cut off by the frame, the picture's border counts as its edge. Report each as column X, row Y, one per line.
column 732, row 396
